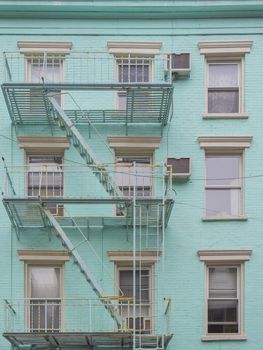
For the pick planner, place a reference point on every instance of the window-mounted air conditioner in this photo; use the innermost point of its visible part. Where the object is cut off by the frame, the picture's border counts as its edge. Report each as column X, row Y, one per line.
column 179, row 64
column 180, row 168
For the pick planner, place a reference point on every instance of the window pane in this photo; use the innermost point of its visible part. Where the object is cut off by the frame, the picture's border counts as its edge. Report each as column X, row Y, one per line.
column 51, row 71
column 133, row 73
column 222, row 282
column 223, row 101
column 122, row 99
column 223, row 202
column 222, row 311
column 44, row 282
column 223, row 75
column 142, row 284
column 221, row 328
column 223, row 170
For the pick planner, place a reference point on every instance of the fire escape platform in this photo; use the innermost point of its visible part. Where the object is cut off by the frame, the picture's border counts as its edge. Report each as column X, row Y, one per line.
column 26, row 212
column 28, row 104
column 87, row 339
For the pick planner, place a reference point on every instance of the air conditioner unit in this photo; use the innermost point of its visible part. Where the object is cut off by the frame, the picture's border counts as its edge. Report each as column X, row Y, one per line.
column 180, row 168
column 142, row 324
column 180, row 64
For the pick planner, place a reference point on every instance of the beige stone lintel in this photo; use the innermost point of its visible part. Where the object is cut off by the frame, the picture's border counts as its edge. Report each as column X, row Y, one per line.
column 127, row 255
column 44, row 144
column 132, row 47
column 42, row 255
column 224, row 255
column 225, row 48
column 29, row 46
column 227, row 142
column 134, row 145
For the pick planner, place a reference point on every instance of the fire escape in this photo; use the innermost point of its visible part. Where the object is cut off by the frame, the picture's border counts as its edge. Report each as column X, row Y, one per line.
column 53, row 104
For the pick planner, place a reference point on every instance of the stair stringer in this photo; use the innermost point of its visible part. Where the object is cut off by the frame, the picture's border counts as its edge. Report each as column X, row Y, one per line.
column 113, row 310
column 85, row 151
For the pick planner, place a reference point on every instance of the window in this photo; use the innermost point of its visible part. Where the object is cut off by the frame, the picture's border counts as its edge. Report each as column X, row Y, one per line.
column 132, row 70
column 224, row 293
column 44, row 307
column 45, row 178
column 126, row 180
column 45, row 69
column 224, row 87
column 224, row 77
column 224, row 185
column 143, row 321
column 223, row 299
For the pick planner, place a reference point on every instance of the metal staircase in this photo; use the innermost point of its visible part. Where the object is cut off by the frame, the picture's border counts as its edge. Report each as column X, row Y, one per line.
column 84, row 150
column 113, row 310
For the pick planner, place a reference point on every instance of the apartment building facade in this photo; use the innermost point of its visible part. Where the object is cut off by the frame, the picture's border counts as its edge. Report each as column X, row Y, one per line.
column 131, row 175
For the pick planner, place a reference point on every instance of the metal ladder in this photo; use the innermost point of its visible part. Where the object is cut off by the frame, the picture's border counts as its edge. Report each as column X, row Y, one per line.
column 84, row 150
column 113, row 310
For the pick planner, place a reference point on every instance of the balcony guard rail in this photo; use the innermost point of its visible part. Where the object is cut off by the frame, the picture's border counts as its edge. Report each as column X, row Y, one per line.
column 86, row 68
column 58, row 180
column 34, row 315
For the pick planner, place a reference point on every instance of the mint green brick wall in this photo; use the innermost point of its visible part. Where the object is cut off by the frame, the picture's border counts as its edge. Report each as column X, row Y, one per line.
column 186, row 233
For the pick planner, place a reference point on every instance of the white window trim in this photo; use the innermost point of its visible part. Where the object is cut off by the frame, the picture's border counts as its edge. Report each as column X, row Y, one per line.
column 226, row 51
column 225, row 258
column 131, row 54
column 241, row 113
column 47, row 263
column 37, row 257
column 224, row 145
column 240, row 187
column 123, row 265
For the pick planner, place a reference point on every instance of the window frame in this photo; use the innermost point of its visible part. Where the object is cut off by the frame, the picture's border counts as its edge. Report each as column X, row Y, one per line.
column 136, row 156
column 131, row 56
column 215, row 153
column 240, row 297
column 226, row 60
column 127, row 266
column 27, row 287
column 41, row 55
column 60, row 207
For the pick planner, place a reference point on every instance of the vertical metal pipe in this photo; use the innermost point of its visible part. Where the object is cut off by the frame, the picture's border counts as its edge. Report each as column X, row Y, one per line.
column 134, row 255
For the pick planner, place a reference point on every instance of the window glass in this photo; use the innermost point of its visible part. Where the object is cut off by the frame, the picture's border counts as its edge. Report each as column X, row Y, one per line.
column 223, row 300
column 44, row 306
column 142, row 284
column 223, row 88
column 223, row 75
column 223, row 185
column 223, row 170
column 45, row 282
column 223, row 101
column 126, row 179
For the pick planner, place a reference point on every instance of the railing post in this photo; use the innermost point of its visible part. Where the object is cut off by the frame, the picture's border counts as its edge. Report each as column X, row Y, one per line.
column 45, row 315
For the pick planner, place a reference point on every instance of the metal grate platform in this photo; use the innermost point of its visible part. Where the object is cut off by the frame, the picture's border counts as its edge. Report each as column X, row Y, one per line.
column 26, row 213
column 103, row 339
column 146, row 103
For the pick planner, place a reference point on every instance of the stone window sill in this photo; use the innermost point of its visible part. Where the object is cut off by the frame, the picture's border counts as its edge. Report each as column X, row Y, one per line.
column 225, row 218
column 225, row 116
column 224, row 338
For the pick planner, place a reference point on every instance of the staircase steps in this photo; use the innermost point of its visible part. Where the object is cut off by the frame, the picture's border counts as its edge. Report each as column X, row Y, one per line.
column 82, row 266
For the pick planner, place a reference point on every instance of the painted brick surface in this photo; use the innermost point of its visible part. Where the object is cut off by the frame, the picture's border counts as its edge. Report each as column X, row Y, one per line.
column 183, row 277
